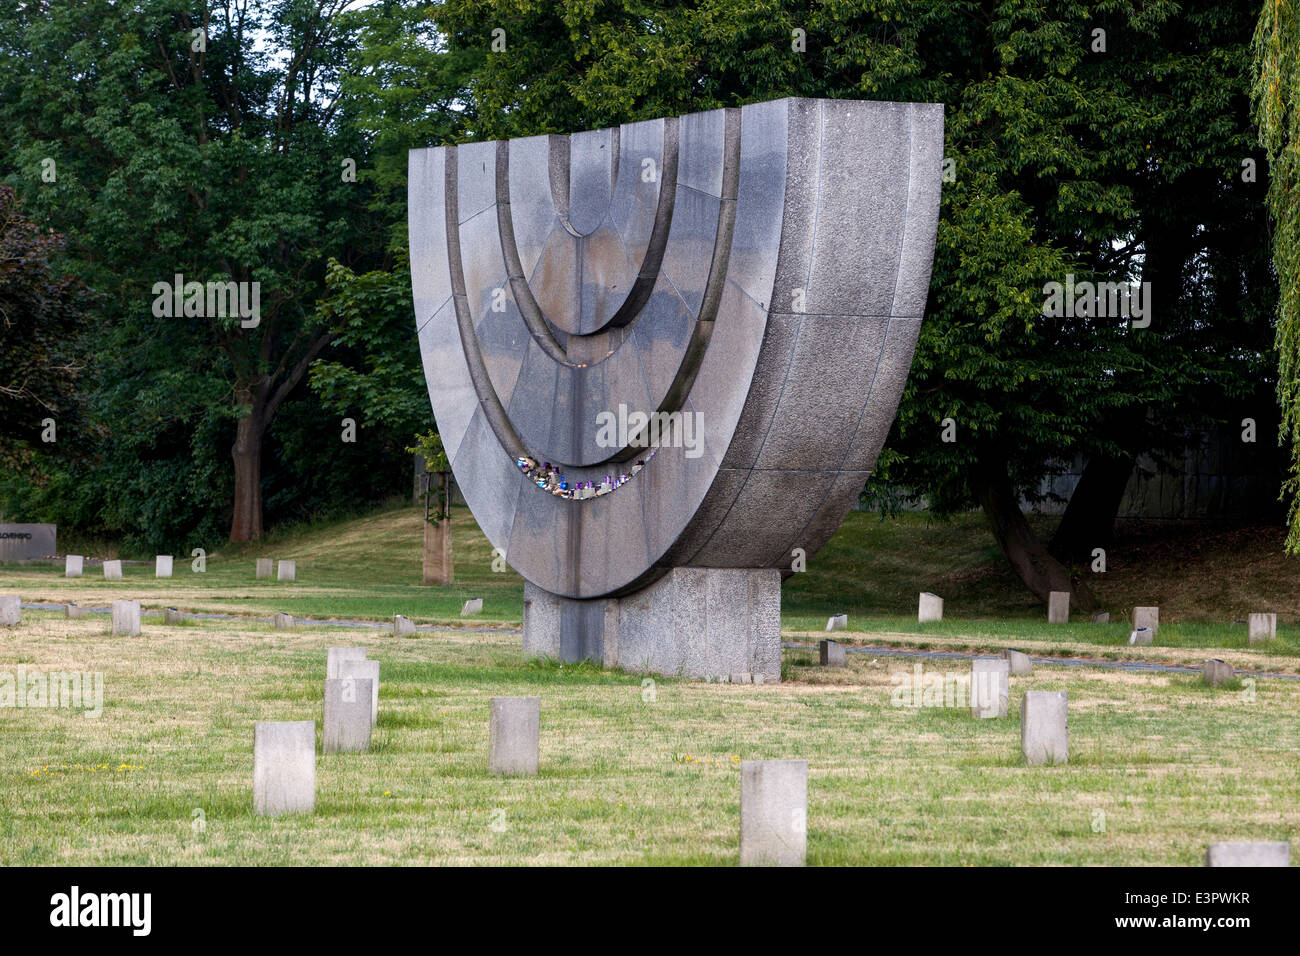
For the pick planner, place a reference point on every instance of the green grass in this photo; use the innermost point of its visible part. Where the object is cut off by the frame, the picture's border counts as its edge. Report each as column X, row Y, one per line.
column 1171, row 764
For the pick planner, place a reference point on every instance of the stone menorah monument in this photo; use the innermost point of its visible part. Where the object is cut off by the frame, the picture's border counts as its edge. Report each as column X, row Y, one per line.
column 663, row 358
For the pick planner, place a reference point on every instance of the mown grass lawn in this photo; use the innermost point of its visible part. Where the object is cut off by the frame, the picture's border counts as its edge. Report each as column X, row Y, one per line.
column 1160, row 765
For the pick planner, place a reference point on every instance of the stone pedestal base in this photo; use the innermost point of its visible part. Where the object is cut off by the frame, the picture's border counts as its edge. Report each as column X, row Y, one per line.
column 709, row 623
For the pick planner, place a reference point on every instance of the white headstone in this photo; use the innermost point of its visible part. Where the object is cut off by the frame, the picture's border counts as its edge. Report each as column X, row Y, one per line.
column 126, row 618
column 1058, row 607
column 837, row 623
column 286, row 571
column 73, row 611
column 73, row 566
column 284, row 767
column 162, row 566
column 1021, row 666
column 264, row 567
column 11, row 610
column 402, row 626
column 472, row 606
column 172, row 617
column 364, row 671
column 337, row 655
column 930, row 608
column 112, row 570
column 283, row 622
column 514, row 735
column 1044, row 727
column 1216, row 672
column 990, row 686
column 773, row 812
column 1148, row 617
column 1143, row 635
column 347, row 724
column 1263, row 627
column 1248, row 854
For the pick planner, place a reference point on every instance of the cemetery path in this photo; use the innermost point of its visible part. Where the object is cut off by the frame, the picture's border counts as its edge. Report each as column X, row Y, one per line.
column 1133, row 666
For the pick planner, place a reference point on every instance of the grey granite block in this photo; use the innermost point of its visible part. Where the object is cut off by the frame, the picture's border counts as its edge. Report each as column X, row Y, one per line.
column 832, row 654
column 1044, row 727
column 773, row 812
column 126, row 618
column 347, row 723
column 73, row 566
column 514, row 730
column 284, row 768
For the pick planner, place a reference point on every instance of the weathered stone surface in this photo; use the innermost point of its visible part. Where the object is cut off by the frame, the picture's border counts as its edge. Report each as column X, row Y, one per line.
column 832, row 654
column 112, row 570
column 11, row 610
column 1263, row 627
column 74, row 612
column 22, row 542
column 402, row 626
column 1020, row 663
column 1248, row 854
column 1044, row 727
column 1148, row 617
column 990, row 687
column 1101, row 617
column 284, row 767
column 347, row 723
column 173, row 617
column 264, row 567
column 1216, row 672
column 162, row 566
column 1058, row 607
column 1142, row 635
column 283, row 622
column 368, row 671
column 472, row 606
column 781, row 249
column 73, row 566
column 126, row 618
column 514, row 731
column 837, row 623
column 337, row 655
column 286, row 571
column 773, row 812
column 930, row 608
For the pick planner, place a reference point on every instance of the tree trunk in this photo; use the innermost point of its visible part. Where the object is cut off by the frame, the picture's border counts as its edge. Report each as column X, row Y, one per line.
column 1089, row 519
column 246, row 521
column 1029, row 558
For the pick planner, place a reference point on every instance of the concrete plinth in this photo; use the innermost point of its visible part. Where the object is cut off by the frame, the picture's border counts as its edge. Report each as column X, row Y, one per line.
column 773, row 812
column 1248, row 854
column 11, row 610
column 1044, row 727
column 1263, row 627
column 162, row 566
column 284, row 767
column 264, row 568
column 364, row 671
column 346, row 728
column 832, row 654
column 514, row 732
column 73, row 566
column 990, row 687
column 929, row 608
column 693, row 622
column 1058, row 607
column 126, row 618
column 112, row 570
column 286, row 571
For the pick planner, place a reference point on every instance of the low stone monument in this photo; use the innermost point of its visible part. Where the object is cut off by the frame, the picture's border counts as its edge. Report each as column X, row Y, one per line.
column 1248, row 854
column 1044, row 727
column 284, row 767
column 402, row 626
column 283, row 622
column 773, row 812
column 1216, row 672
column 930, row 608
column 1101, row 617
column 173, row 617
column 1148, row 617
column 23, row 542
column 1143, row 635
column 11, row 610
column 1021, row 666
column 472, row 606
column 73, row 611
column 112, row 570
column 162, row 566
column 264, row 568
column 286, row 571
column 837, row 623
column 337, row 655
column 832, row 654
column 126, row 618
column 346, row 728
column 364, row 671
column 514, row 731
column 1263, row 627
column 990, row 686
column 73, row 566
column 1058, row 607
